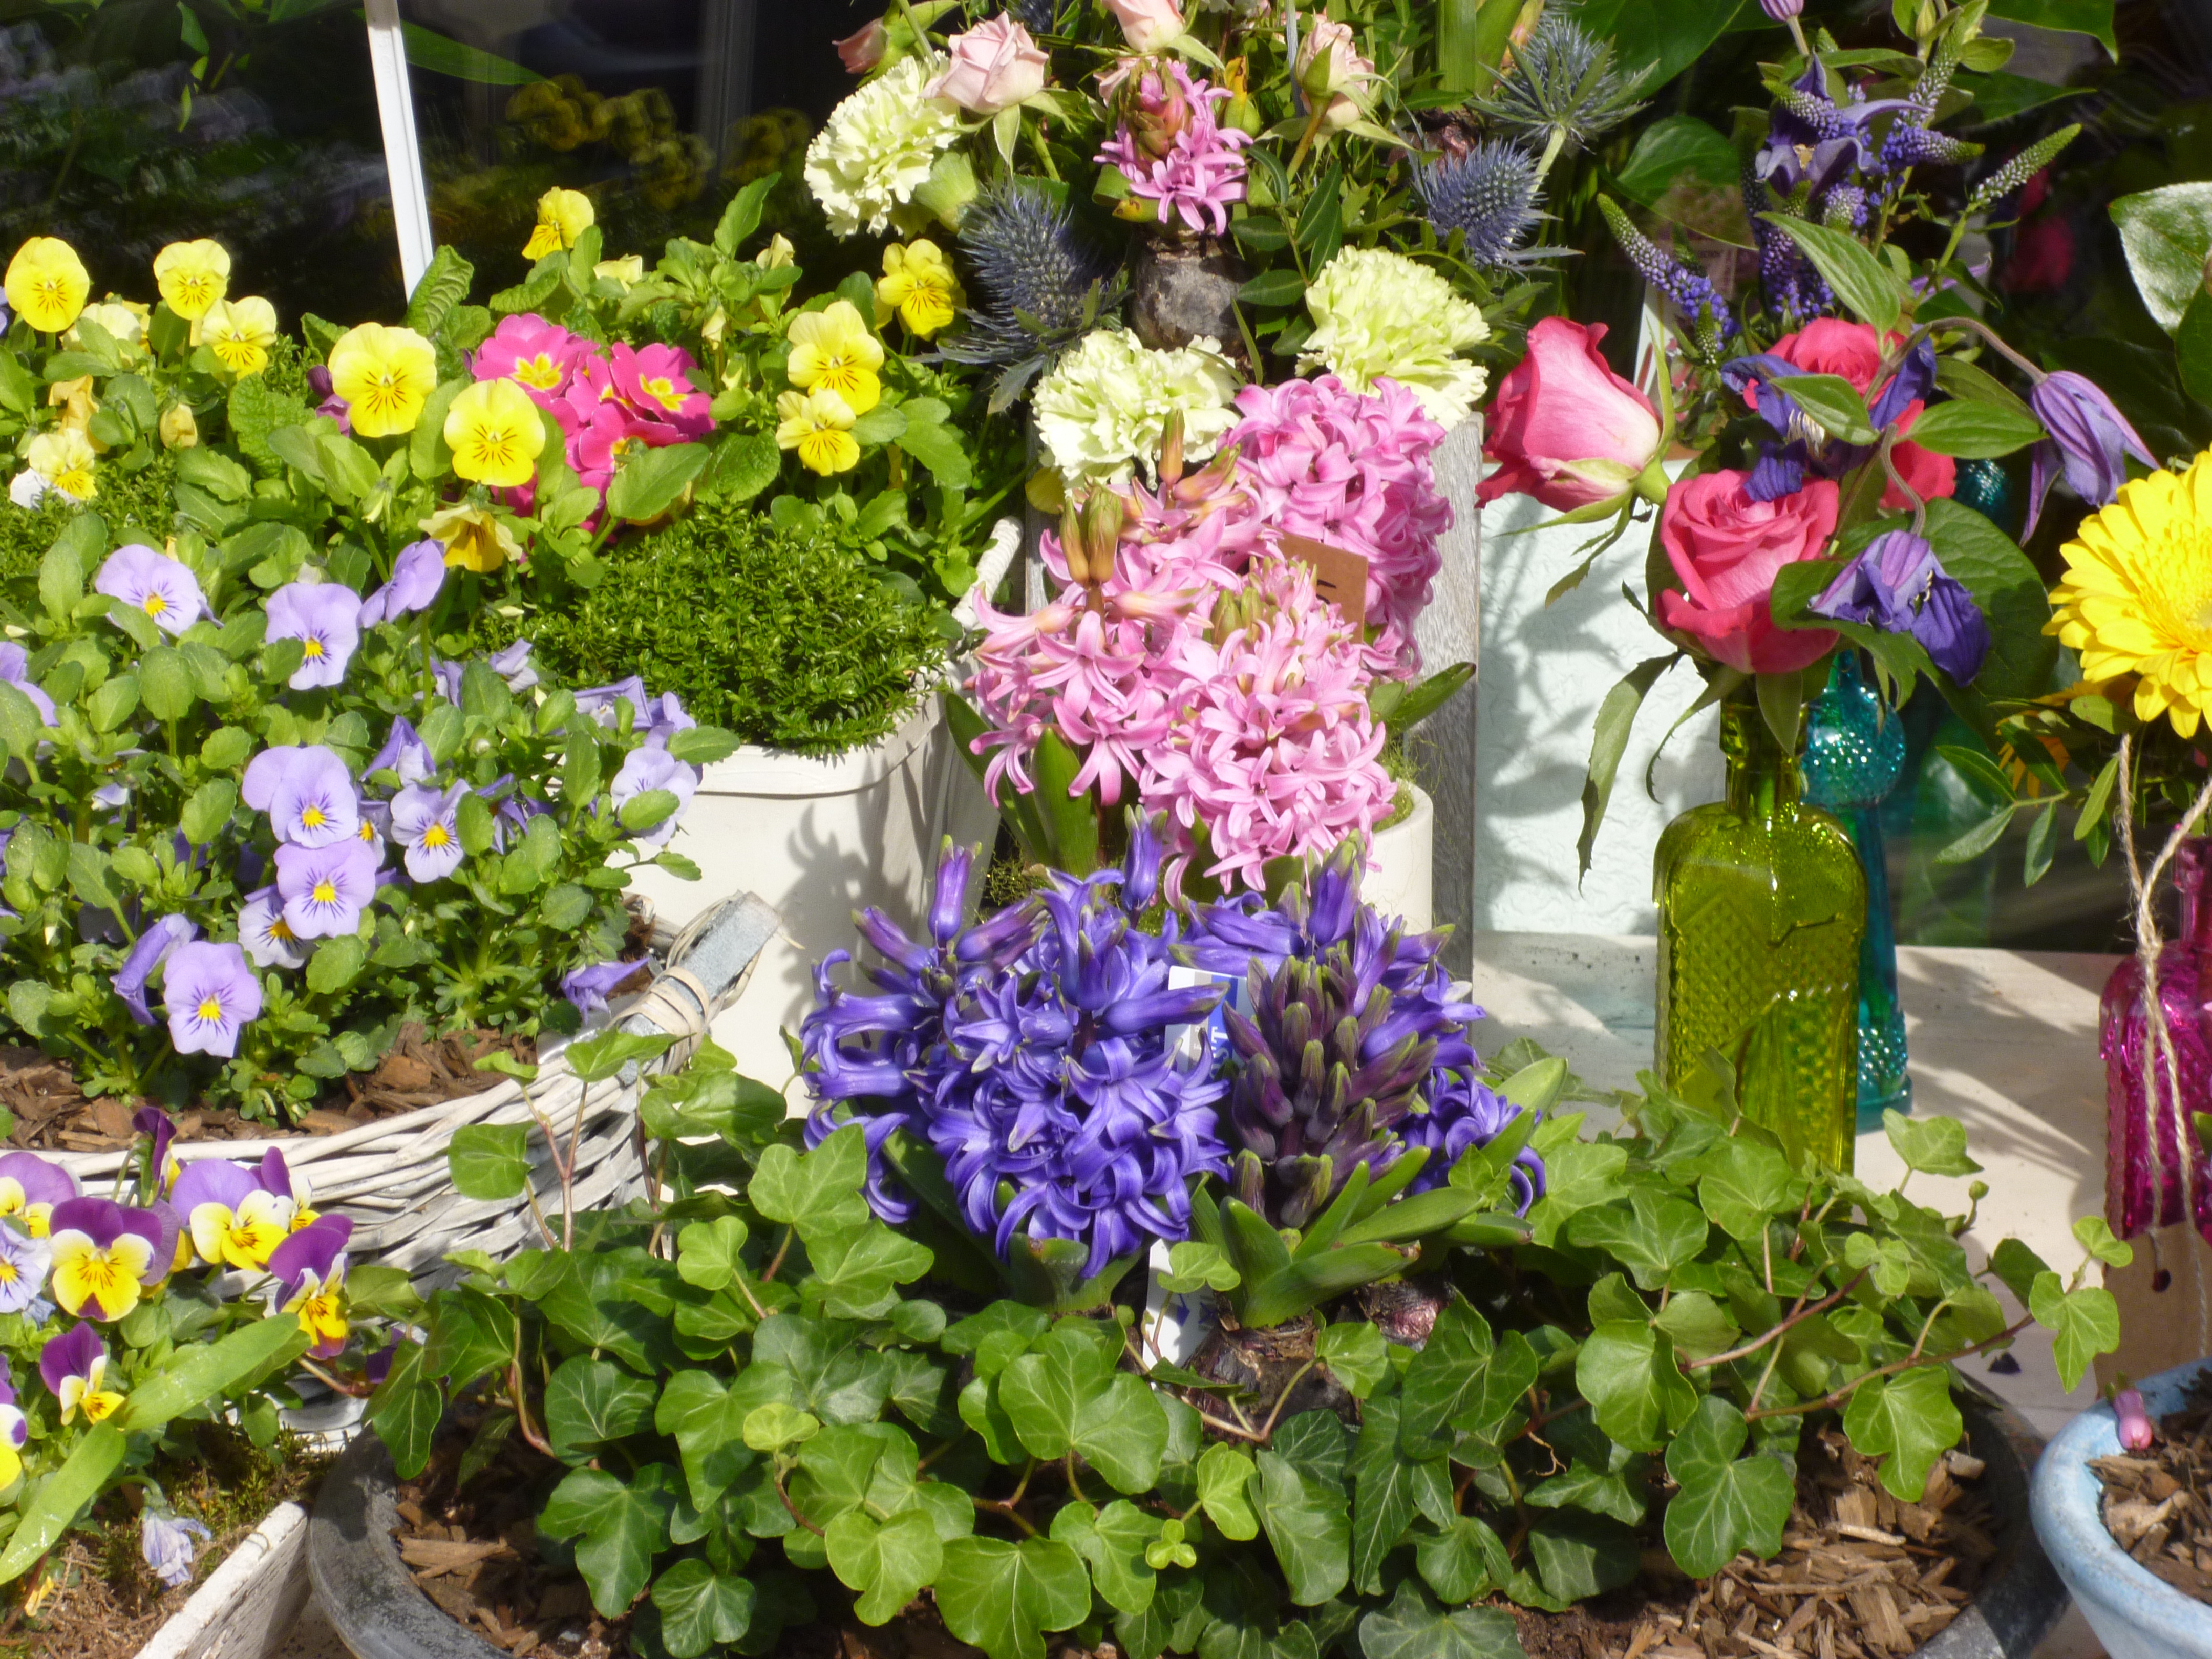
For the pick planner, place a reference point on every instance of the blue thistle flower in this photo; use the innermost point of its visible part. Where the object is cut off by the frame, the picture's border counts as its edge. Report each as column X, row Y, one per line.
column 1488, row 194
column 1563, row 86
column 1044, row 284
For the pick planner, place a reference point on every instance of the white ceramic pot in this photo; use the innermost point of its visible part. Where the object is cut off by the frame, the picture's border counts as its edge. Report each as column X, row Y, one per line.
column 249, row 1602
column 1398, row 881
column 818, row 840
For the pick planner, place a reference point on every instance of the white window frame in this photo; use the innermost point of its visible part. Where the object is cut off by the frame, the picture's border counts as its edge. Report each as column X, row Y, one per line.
column 403, row 154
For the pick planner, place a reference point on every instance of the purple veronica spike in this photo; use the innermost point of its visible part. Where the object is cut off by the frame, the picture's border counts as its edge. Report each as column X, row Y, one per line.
column 2090, row 439
column 210, row 992
column 426, row 821
column 404, row 752
column 308, row 794
column 587, row 987
column 417, row 575
column 264, row 934
column 14, row 664
column 166, row 1542
column 325, row 889
column 23, row 1264
column 645, row 770
column 1898, row 585
column 163, row 588
column 325, row 618
column 72, row 1353
column 162, row 935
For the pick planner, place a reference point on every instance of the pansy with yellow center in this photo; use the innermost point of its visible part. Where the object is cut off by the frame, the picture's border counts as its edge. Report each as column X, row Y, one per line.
column 495, row 432
column 918, row 284
column 15, row 1431
column 385, row 375
column 30, row 1187
column 474, row 538
column 104, row 1257
column 563, row 216
column 124, row 323
column 23, row 1264
column 2137, row 597
column 819, row 426
column 74, row 1366
column 192, row 276
column 627, row 272
column 65, row 459
column 239, row 333
column 47, row 284
column 833, row 350
column 310, row 1270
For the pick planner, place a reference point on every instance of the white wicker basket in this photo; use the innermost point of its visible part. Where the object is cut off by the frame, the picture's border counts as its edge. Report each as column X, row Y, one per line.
column 391, row 1177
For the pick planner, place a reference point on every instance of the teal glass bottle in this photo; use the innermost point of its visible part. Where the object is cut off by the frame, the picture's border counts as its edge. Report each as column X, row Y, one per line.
column 1762, row 907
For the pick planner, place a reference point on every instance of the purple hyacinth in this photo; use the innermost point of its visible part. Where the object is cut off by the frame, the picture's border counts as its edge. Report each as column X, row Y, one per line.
column 210, row 992
column 307, row 792
column 2090, row 441
column 325, row 889
column 162, row 588
column 426, row 821
column 325, row 618
column 417, row 576
column 1898, row 585
column 162, row 935
column 1466, row 1112
column 1030, row 1053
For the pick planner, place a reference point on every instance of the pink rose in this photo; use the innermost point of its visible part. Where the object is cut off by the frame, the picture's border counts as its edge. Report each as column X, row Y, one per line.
column 863, row 49
column 1727, row 549
column 1850, row 352
column 1329, row 62
column 1564, row 428
column 995, row 65
column 1148, row 25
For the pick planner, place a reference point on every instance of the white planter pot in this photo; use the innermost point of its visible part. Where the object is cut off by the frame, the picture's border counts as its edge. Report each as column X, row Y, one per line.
column 819, row 840
column 249, row 1603
column 1398, row 882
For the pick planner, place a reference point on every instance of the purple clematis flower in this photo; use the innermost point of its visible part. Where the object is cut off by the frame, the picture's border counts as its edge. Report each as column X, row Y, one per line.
column 1898, row 585
column 162, row 935
column 426, row 821
column 2090, row 441
column 325, row 889
column 417, row 576
column 162, row 588
column 307, row 792
column 23, row 1264
column 30, row 1187
column 325, row 618
column 210, row 992
column 310, row 1268
column 166, row 1542
column 14, row 668
column 649, row 768
column 587, row 987
column 265, row 936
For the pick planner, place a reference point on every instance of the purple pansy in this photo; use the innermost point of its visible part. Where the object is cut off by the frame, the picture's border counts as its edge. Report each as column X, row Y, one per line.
column 166, row 1543
column 265, row 935
column 307, row 792
column 23, row 1263
column 2090, row 441
column 649, row 768
column 163, row 588
column 211, row 992
column 325, row 889
column 664, row 717
column 1897, row 584
column 15, row 667
column 426, row 821
column 162, row 935
column 417, row 575
column 587, row 987
column 512, row 664
column 30, row 1187
column 75, row 1353
column 325, row 618
column 104, row 1253
column 598, row 701
column 310, row 1268
column 161, row 1133
column 404, row 752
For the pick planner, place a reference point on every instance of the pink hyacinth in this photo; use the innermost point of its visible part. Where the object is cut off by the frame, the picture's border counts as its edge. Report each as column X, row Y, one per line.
column 1271, row 744
column 539, row 356
column 1173, row 149
column 1353, row 472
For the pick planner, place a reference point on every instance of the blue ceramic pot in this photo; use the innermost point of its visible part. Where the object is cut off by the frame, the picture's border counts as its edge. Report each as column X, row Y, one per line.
column 2134, row 1615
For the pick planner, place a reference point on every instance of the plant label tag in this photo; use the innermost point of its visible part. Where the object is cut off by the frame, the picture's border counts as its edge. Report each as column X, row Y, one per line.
column 1204, row 1048
column 1339, row 576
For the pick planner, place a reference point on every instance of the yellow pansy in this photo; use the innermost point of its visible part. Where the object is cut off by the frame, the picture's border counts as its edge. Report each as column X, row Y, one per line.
column 125, row 323
column 192, row 276
column 778, row 253
column 240, row 332
column 88, row 1394
column 64, row 461
column 75, row 400
column 47, row 284
column 321, row 1309
column 629, row 271
column 563, row 216
column 495, row 433
column 918, row 284
column 385, row 375
column 818, row 424
column 475, row 539
column 179, row 429
column 833, row 350
column 106, row 1279
column 244, row 1238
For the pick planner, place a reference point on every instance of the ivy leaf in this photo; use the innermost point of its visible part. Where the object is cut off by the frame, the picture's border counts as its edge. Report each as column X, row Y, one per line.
column 1651, row 1235
column 1445, row 1377
column 1112, row 1542
column 1697, row 1323
column 706, row 1419
column 1387, row 1489
column 2095, row 1234
column 622, row 1525
column 490, row 1161
column 1637, row 1394
column 707, row 1252
column 593, row 1402
column 1933, row 1145
column 1358, row 1355
column 817, row 1192
column 1224, row 1475
column 1066, row 1394
column 1579, row 1555
column 1307, row 1523
column 1464, row 1561
column 2082, row 1324
column 701, row 1609
column 1909, row 1421
column 1617, row 1493
column 888, row 1562
column 2018, row 1267
column 1415, row 1627
column 1745, row 1183
column 1727, row 1504
column 856, row 1271
column 1002, row 1596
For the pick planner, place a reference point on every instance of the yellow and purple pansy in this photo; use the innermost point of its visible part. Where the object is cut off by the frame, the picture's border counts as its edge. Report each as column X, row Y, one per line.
column 234, row 1219
column 14, row 1431
column 30, row 1187
column 106, row 1256
column 74, row 1366
column 310, row 1268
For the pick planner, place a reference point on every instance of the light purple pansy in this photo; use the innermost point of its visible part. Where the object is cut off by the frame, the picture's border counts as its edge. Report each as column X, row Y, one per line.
column 513, row 663
column 23, row 1264
column 598, row 701
column 417, row 576
column 325, row 618
column 307, row 792
column 664, row 717
column 587, row 987
column 426, row 821
column 163, row 934
column 7, row 1384
column 265, row 935
column 211, row 992
column 163, row 588
column 404, row 752
column 15, row 666
column 646, row 769
column 166, row 1543
column 325, row 889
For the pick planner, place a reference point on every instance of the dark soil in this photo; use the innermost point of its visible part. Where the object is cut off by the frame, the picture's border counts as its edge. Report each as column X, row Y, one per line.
column 2155, row 1501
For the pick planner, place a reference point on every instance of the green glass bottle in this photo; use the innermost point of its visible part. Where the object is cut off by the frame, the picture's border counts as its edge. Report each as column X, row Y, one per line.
column 1762, row 905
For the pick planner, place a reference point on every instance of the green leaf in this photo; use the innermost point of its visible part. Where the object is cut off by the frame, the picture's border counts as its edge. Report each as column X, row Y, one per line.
column 1974, row 431
column 1861, row 281
column 1308, row 1524
column 1112, row 1542
column 708, row 1420
column 200, row 1372
column 1652, row 43
column 1726, row 1504
column 1388, row 1488
column 1225, row 1478
column 444, row 284
column 164, row 684
column 1834, row 402
column 2083, row 1323
column 1677, row 148
column 429, row 49
column 2017, row 1268
column 888, row 1562
column 1933, row 1145
column 336, row 964
column 54, row 1504
column 2095, row 1234
column 1637, row 1394
column 707, row 1252
column 622, row 1525
column 2091, row 17
column 209, row 810
column 941, row 448
column 1909, row 1420
column 600, row 1058
column 1358, row 1355
column 650, row 482
column 1651, row 1235
column 1415, row 1627
column 1066, row 1394
column 591, row 1403
column 700, row 1609
column 1610, row 1492
column 743, row 465
column 817, row 1192
column 1283, row 287
column 490, row 1161
column 1002, row 1596
column 1616, row 717
column 1745, row 1182
column 1579, row 1555
column 856, row 1270
column 2009, row 591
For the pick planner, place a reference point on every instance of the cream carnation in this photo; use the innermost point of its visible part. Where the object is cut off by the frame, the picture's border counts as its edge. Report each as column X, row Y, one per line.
column 878, row 146
column 1379, row 316
column 1105, row 406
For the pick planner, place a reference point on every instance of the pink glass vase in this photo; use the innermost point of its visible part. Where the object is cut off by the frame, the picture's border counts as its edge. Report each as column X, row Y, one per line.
column 2147, row 1183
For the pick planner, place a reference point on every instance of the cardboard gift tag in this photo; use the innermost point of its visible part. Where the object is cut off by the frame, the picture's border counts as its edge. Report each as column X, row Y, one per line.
column 1339, row 576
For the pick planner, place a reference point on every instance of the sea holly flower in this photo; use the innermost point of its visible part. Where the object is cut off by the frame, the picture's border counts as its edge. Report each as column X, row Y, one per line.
column 265, row 936
column 474, row 537
column 166, row 1544
column 920, row 287
column 325, row 618
column 23, row 1264
column 818, row 424
column 235, row 1221
column 104, row 1257
column 417, row 575
column 74, row 1366
column 325, row 889
column 192, row 277
column 833, row 350
column 495, row 434
column 1488, row 194
column 164, row 588
column 588, row 987
column 307, row 792
column 1898, row 585
column 210, row 992
column 30, row 1187
column 563, row 216
column 240, row 332
column 649, row 768
column 2090, row 441
column 385, row 375
column 310, row 1269
column 47, row 284
column 161, row 936
column 426, row 821
column 539, row 356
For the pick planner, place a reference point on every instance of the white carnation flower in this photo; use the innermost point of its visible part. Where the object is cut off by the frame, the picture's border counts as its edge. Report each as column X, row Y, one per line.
column 1104, row 407
column 878, row 147
column 1379, row 316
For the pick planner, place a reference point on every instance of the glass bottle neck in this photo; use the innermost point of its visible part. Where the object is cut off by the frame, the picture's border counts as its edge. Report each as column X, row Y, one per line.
column 1763, row 778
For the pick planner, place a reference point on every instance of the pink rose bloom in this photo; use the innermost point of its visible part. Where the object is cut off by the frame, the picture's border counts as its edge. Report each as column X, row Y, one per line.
column 654, row 381
column 1148, row 25
column 1329, row 62
column 1727, row 549
column 994, row 66
column 539, row 356
column 1850, row 351
column 863, row 49
column 1564, row 427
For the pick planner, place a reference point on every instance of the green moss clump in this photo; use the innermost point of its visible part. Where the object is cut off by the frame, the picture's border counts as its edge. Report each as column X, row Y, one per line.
column 784, row 637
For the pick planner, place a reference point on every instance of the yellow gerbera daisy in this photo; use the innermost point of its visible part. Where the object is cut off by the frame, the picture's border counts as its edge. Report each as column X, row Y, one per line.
column 832, row 350
column 2136, row 598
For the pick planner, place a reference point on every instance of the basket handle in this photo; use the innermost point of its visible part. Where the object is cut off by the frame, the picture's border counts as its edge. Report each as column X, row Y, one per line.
column 707, row 969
